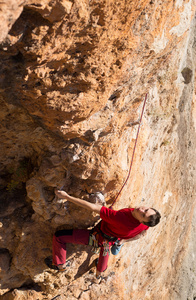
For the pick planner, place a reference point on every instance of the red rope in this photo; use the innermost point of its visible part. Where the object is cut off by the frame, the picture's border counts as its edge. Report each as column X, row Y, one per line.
column 133, row 152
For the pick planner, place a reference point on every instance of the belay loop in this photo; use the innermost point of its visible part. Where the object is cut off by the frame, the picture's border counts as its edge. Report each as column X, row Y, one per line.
column 132, row 153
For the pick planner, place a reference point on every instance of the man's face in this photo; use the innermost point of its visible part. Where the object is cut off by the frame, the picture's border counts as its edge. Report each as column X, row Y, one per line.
column 143, row 213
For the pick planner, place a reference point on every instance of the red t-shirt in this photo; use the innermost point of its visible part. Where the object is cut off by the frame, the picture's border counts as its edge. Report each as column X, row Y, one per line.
column 120, row 223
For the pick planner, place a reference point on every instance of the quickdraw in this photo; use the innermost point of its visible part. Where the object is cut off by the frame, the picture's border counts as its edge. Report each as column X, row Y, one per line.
column 93, row 241
column 106, row 248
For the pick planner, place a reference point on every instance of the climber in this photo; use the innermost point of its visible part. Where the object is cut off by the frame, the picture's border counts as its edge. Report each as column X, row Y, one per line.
column 115, row 228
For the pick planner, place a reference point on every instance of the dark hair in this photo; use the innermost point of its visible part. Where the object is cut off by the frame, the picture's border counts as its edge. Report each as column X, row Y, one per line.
column 153, row 219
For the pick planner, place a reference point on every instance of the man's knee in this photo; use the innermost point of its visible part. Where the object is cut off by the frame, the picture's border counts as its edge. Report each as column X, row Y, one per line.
column 63, row 232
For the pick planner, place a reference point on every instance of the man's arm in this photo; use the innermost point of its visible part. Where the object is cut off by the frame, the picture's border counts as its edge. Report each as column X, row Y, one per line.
column 143, row 233
column 85, row 204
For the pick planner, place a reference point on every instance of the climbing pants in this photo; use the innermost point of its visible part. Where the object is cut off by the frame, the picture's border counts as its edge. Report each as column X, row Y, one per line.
column 75, row 236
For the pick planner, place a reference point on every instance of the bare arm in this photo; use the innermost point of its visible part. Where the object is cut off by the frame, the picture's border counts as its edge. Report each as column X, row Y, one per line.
column 143, row 233
column 83, row 203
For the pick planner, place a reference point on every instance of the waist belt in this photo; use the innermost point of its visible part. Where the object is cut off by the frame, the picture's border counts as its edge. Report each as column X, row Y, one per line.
column 107, row 237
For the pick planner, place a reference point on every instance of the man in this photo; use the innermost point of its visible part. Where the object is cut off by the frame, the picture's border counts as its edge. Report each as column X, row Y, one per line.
column 116, row 227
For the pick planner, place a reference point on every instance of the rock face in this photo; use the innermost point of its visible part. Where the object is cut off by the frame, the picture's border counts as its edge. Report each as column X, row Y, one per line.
column 73, row 78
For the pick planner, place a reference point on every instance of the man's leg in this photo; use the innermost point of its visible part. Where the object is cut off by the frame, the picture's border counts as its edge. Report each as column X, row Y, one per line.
column 61, row 237
column 102, row 262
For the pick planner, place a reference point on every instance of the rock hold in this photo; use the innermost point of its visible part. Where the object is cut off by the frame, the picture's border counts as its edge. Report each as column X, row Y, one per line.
column 97, row 197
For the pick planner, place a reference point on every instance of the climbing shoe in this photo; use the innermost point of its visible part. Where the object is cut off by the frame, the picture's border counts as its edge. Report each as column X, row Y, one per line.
column 49, row 263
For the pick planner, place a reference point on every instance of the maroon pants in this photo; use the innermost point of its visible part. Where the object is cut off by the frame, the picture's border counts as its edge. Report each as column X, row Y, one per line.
column 75, row 236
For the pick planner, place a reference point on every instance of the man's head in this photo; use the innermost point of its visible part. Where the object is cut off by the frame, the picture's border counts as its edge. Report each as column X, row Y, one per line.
column 147, row 216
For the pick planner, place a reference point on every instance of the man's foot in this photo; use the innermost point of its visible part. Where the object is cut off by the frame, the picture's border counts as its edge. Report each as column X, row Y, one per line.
column 49, row 263
column 98, row 274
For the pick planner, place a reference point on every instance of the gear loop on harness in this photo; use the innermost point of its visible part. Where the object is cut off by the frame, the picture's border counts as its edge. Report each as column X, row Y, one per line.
column 140, row 123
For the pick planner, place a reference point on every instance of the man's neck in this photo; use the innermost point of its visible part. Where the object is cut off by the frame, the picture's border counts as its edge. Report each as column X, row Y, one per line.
column 133, row 214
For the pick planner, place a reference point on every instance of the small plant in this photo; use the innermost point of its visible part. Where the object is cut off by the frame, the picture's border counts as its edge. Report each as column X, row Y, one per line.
column 165, row 143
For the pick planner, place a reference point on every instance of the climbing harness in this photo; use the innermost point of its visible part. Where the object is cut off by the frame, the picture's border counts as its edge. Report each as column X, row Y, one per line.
column 94, row 240
column 140, row 121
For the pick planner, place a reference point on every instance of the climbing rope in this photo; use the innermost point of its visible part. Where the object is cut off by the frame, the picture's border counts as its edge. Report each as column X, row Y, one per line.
column 132, row 153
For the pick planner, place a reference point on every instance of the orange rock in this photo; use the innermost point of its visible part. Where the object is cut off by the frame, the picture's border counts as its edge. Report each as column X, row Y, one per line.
column 73, row 77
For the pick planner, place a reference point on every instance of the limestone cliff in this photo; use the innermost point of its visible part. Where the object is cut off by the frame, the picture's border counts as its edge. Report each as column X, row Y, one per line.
column 73, row 78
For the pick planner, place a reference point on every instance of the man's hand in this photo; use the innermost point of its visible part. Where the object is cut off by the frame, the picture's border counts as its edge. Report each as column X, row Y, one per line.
column 121, row 242
column 61, row 194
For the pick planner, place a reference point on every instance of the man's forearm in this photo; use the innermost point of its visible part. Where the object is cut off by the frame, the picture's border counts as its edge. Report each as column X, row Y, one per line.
column 83, row 203
column 143, row 233
column 80, row 202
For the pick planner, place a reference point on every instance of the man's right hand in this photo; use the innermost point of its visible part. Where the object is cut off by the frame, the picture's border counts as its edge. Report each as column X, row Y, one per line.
column 61, row 194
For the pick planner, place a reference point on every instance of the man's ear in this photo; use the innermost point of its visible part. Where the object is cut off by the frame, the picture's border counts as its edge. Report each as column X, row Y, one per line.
column 143, row 223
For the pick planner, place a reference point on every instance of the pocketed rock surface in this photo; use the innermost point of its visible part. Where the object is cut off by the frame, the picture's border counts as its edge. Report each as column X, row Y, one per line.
column 73, row 78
